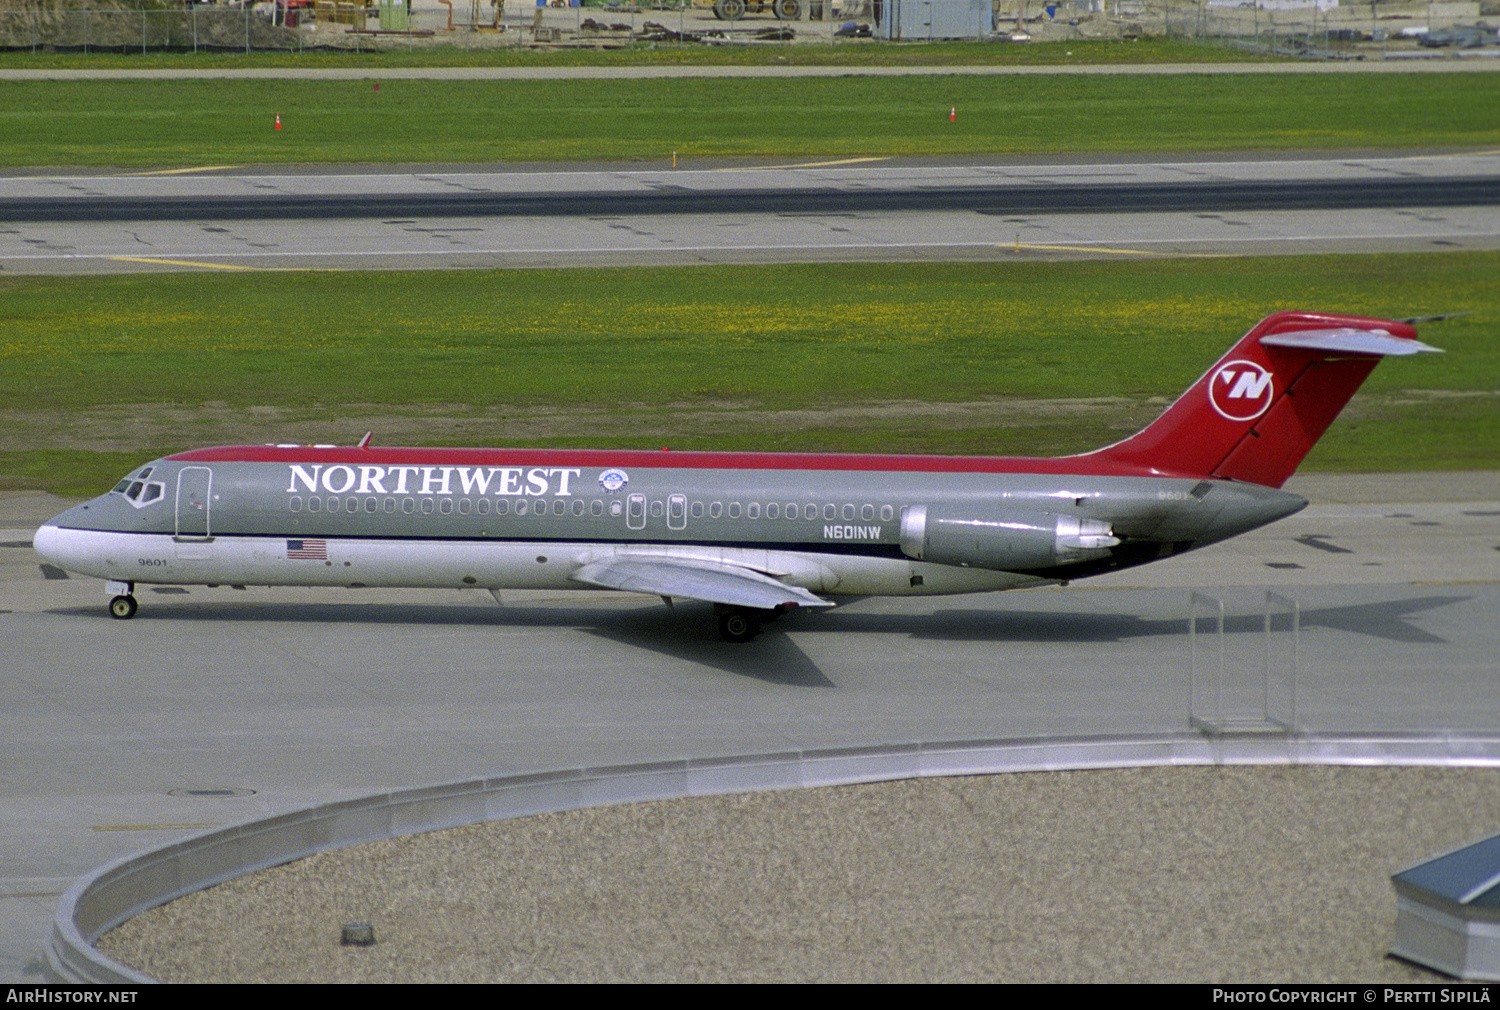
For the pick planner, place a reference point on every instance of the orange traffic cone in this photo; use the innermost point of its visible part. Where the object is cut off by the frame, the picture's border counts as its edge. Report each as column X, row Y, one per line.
column 278, row 120
column 952, row 114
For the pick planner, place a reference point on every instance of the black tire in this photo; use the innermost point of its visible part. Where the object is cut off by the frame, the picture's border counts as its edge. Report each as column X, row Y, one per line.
column 732, row 10
column 122, row 608
column 719, row 9
column 738, row 625
column 787, row 10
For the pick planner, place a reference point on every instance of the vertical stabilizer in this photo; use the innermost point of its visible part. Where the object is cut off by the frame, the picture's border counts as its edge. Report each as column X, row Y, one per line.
column 1255, row 414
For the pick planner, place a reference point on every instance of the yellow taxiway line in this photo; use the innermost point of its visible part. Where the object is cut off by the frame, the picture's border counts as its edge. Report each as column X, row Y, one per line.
column 180, row 263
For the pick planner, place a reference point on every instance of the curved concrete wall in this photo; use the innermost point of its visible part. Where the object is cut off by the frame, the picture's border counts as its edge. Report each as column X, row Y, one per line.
column 107, row 897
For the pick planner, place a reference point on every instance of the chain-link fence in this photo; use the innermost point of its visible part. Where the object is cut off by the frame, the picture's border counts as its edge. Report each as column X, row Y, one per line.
column 1327, row 29
column 183, row 29
column 1297, row 27
column 465, row 24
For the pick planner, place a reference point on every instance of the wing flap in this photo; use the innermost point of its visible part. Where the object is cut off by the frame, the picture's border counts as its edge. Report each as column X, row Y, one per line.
column 696, row 580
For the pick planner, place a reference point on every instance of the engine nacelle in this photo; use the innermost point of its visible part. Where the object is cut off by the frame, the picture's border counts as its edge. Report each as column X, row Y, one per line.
column 1001, row 539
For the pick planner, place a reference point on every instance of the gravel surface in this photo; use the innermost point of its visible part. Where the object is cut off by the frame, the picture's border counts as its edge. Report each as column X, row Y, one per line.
column 1203, row 874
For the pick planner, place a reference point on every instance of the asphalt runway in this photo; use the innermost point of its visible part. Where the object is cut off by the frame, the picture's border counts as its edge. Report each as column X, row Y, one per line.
column 864, row 210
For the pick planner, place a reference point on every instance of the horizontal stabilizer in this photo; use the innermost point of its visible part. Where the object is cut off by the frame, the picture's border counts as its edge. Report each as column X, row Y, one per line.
column 1347, row 340
column 709, row 581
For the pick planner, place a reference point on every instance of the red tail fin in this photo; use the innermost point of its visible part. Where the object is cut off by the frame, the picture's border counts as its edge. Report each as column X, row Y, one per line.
column 1255, row 414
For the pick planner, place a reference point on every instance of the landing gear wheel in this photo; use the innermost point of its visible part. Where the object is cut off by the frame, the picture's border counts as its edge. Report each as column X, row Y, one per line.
column 730, row 10
column 122, row 608
column 739, row 625
column 719, row 9
column 787, row 10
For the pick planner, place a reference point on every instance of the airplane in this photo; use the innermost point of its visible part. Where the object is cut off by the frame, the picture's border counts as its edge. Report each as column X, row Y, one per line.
column 755, row 534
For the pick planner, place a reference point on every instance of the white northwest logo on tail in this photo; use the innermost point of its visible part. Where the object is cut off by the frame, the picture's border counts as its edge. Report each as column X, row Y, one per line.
column 1241, row 390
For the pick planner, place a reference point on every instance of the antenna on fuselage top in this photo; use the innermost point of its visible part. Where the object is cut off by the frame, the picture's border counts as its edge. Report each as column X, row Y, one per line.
column 364, row 443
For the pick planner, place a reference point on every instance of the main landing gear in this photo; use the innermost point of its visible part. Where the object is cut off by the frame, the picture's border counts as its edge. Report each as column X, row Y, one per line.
column 740, row 624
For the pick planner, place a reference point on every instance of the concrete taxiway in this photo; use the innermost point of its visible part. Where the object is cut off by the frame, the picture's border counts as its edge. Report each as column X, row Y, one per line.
column 214, row 706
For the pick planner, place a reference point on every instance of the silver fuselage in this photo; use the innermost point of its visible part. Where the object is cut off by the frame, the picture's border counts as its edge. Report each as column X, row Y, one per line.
column 530, row 519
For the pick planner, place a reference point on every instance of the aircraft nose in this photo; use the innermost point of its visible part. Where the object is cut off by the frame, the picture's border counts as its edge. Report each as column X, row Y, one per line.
column 47, row 542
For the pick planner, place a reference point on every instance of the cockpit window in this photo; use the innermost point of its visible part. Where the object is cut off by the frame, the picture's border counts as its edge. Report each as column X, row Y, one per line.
column 138, row 490
column 141, row 493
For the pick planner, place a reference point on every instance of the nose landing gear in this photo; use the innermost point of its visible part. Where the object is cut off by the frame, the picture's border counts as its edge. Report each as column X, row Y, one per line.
column 122, row 606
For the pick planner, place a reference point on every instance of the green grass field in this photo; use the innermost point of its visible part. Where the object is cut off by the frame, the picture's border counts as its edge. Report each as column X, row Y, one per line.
column 635, row 345
column 135, row 358
column 165, row 124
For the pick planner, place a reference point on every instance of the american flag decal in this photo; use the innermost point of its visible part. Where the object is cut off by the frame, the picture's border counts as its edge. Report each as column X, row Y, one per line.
column 307, row 550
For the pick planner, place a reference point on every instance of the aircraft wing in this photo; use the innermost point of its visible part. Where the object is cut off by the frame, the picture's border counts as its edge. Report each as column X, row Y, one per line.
column 713, row 582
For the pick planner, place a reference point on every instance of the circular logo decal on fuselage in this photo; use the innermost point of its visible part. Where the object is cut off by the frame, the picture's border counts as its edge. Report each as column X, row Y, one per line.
column 613, row 480
column 1241, row 390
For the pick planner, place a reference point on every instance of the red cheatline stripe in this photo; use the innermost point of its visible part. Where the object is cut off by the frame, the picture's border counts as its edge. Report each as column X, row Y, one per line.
column 1091, row 464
